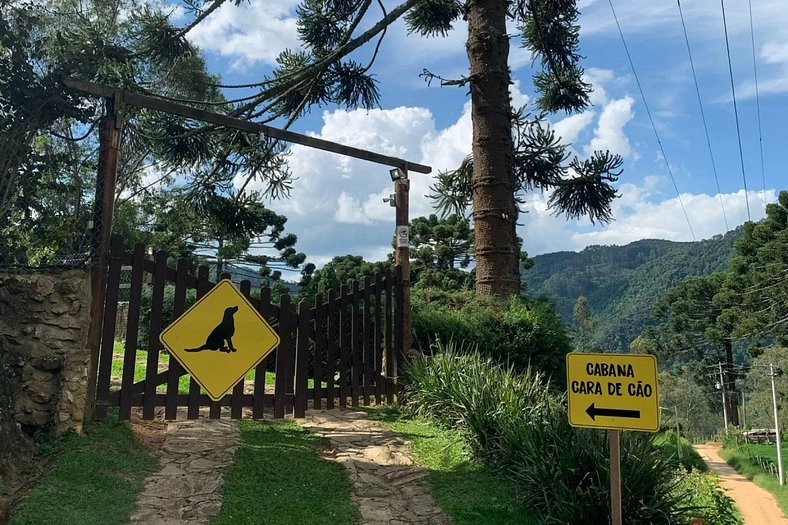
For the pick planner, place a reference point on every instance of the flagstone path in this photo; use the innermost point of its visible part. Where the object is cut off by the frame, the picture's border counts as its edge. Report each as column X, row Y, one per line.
column 194, row 455
column 388, row 487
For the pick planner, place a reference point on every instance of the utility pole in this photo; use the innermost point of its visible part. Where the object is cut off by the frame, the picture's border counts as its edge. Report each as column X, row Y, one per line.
column 724, row 400
column 402, row 256
column 777, row 428
column 743, row 411
column 110, row 131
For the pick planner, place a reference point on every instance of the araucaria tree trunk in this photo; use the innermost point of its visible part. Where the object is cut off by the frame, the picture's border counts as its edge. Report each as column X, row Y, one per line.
column 494, row 208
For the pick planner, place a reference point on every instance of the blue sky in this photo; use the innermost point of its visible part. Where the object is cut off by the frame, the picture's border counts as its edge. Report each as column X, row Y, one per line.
column 336, row 205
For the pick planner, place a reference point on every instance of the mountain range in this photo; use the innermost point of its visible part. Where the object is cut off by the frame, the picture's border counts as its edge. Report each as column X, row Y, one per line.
column 622, row 283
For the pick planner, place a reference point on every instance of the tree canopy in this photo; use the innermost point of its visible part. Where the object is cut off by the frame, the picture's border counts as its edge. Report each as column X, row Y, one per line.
column 49, row 142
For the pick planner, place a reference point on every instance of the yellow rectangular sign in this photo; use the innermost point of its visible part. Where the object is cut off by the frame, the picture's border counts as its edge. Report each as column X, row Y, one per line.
column 615, row 391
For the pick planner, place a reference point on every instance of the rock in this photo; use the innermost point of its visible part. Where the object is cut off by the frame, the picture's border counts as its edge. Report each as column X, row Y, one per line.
column 47, row 363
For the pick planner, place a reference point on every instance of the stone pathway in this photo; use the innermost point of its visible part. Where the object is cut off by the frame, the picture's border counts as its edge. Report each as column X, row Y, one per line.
column 388, row 487
column 188, row 488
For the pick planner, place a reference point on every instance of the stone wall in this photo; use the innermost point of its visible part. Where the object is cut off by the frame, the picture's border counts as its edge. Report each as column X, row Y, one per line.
column 44, row 320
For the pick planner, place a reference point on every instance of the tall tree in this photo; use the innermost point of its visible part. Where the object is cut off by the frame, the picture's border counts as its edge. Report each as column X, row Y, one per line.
column 335, row 273
column 513, row 152
column 441, row 252
column 584, row 324
column 127, row 43
column 756, row 290
column 694, row 329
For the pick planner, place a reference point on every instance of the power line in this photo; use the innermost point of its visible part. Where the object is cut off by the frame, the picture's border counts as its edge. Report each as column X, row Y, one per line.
column 703, row 116
column 757, row 105
column 651, row 119
column 735, row 108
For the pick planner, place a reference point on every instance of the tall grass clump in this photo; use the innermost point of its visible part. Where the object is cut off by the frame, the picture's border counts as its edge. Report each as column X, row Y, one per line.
column 514, row 421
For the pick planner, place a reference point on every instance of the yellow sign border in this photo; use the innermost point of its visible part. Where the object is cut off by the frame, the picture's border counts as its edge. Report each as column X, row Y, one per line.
column 610, row 427
column 192, row 307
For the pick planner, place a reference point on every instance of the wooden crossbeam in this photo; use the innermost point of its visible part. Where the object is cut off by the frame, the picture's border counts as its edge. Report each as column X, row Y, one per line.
column 145, row 101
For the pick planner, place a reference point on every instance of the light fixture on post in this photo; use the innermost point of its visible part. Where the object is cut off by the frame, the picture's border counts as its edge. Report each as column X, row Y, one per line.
column 397, row 174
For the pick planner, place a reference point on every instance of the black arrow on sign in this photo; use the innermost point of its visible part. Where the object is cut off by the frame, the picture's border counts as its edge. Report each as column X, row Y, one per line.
column 593, row 411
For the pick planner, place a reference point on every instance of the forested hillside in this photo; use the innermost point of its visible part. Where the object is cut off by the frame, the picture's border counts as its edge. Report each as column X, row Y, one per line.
column 621, row 283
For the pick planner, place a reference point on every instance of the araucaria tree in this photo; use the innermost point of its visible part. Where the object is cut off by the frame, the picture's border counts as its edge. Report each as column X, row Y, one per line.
column 512, row 151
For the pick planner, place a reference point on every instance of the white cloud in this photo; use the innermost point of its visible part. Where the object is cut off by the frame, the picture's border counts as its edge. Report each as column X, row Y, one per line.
column 609, row 133
column 349, row 210
column 249, row 33
column 598, row 78
column 337, row 203
column 775, row 52
column 570, row 127
column 638, row 214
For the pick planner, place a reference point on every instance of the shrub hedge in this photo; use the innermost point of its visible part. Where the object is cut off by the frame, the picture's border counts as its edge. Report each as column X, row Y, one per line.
column 519, row 332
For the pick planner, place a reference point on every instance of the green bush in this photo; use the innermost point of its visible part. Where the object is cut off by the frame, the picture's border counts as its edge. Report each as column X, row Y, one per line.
column 706, row 497
column 518, row 332
column 516, row 422
column 459, row 388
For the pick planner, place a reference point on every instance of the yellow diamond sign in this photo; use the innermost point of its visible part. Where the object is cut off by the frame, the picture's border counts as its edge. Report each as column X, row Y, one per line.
column 614, row 391
column 220, row 338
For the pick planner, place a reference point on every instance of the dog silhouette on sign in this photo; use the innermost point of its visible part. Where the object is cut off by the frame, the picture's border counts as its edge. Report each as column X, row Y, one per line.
column 220, row 334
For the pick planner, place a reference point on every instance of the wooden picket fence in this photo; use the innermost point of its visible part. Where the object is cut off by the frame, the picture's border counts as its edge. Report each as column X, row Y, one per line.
column 348, row 343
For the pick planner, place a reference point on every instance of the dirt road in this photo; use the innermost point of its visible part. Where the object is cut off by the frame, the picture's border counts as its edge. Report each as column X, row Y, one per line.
column 756, row 505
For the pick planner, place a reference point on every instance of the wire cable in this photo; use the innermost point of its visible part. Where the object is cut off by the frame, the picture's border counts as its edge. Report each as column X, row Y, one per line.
column 651, row 119
column 703, row 116
column 735, row 108
column 758, row 106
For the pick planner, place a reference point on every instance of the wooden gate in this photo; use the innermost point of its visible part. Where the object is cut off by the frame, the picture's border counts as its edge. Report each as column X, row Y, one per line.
column 340, row 350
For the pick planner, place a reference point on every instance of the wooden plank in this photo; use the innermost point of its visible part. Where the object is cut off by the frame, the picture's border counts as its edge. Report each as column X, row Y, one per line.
column 378, row 343
column 331, row 350
column 157, row 306
column 345, row 349
column 160, row 400
column 132, row 330
column 144, row 101
column 284, row 355
column 355, row 345
column 175, row 369
column 302, row 358
column 389, row 305
column 215, row 410
column 264, row 307
column 193, row 412
column 108, row 327
column 320, row 350
column 238, row 390
column 367, row 352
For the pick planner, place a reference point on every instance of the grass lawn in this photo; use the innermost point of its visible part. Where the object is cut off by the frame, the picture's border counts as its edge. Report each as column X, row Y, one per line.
column 468, row 492
column 690, row 457
column 164, row 362
column 740, row 460
column 279, row 478
column 95, row 479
